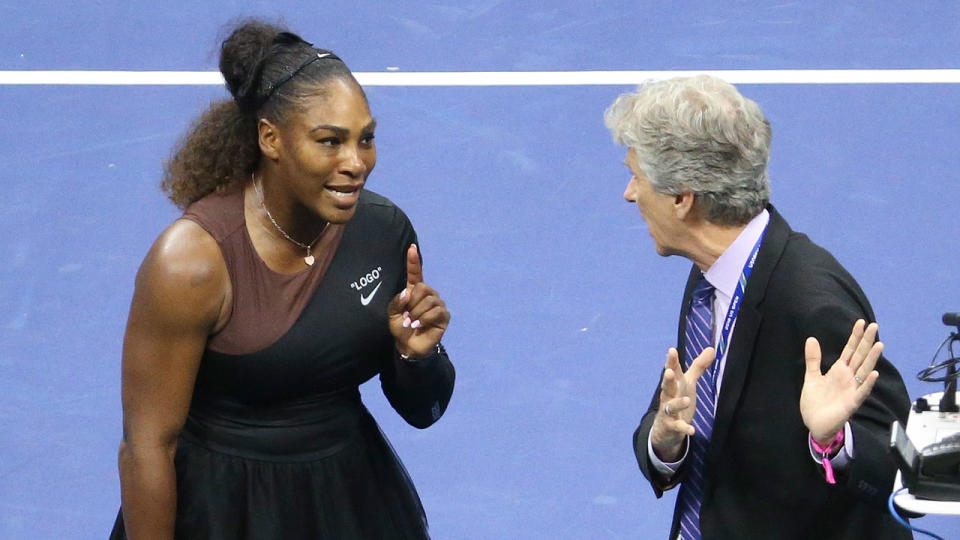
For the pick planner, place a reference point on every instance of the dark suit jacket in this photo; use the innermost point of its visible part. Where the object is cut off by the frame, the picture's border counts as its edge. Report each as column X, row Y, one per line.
column 761, row 481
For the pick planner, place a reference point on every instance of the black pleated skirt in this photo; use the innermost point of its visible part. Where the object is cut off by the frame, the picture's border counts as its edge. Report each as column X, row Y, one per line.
column 333, row 476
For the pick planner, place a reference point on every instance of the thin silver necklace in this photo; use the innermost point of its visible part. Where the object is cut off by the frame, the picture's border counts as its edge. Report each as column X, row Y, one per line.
column 309, row 259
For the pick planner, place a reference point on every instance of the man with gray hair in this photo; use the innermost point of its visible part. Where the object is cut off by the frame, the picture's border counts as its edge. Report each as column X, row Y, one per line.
column 771, row 414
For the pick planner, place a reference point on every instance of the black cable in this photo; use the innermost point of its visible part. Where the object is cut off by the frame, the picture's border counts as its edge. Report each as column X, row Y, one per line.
column 929, row 373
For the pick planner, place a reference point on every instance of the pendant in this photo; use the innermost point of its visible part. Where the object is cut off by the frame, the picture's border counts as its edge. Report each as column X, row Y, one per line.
column 309, row 260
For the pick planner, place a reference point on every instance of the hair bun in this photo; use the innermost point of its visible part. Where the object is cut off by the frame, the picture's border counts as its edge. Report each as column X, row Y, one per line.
column 289, row 38
column 242, row 55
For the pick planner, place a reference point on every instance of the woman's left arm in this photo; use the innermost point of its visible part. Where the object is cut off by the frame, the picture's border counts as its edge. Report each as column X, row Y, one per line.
column 419, row 379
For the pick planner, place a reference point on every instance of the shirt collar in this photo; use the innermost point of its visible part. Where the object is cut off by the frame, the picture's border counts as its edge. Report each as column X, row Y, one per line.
column 725, row 272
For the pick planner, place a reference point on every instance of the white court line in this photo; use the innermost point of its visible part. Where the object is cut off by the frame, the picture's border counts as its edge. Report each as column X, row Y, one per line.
column 505, row 78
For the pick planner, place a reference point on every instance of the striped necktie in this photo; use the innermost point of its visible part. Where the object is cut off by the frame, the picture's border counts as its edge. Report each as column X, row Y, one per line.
column 698, row 336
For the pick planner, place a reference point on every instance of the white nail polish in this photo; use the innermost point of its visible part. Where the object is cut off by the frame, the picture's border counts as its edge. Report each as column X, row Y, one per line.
column 416, row 324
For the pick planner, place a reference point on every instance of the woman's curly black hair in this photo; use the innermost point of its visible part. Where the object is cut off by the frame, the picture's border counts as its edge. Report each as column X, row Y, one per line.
column 269, row 71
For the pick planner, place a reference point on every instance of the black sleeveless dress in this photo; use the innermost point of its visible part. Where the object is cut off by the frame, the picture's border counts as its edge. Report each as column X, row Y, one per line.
column 277, row 443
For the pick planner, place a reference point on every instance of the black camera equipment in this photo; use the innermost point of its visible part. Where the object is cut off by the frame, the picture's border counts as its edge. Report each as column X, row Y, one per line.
column 945, row 371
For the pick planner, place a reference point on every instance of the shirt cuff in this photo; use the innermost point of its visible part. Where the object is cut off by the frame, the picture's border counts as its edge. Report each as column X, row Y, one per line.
column 666, row 469
column 844, row 456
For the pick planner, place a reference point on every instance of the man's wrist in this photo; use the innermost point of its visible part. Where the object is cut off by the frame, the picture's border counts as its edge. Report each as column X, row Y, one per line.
column 824, row 441
column 826, row 453
column 668, row 453
column 666, row 469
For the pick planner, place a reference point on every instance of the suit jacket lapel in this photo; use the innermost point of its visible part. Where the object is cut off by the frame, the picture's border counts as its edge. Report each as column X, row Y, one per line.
column 740, row 351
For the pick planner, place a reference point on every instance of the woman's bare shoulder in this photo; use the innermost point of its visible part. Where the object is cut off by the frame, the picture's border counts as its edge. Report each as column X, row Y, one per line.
column 185, row 269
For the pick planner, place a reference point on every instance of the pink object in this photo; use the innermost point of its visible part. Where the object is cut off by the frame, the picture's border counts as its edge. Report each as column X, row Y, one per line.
column 825, row 451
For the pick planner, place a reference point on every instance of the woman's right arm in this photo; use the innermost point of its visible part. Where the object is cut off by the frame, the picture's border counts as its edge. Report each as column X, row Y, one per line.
column 179, row 300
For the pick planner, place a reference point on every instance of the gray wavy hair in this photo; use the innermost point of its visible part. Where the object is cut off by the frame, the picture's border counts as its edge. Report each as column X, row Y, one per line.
column 698, row 134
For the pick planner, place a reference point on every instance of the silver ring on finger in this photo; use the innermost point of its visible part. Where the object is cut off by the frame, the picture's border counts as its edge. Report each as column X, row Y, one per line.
column 857, row 378
column 667, row 409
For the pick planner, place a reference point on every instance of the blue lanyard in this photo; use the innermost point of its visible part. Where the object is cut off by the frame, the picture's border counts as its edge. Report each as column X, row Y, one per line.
column 734, row 308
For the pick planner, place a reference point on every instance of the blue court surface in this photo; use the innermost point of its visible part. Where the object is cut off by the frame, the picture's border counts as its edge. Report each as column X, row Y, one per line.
column 562, row 311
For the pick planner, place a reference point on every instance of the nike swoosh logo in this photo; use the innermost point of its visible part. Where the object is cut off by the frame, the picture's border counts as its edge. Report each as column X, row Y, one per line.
column 364, row 300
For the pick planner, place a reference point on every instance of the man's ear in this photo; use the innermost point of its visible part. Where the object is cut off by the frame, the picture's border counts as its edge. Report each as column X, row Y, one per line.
column 269, row 138
column 683, row 204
